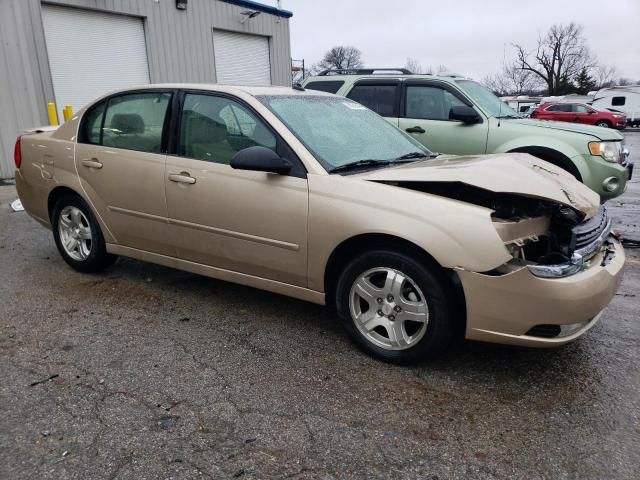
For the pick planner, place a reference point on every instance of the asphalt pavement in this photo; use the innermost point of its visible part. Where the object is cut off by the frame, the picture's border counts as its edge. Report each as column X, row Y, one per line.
column 145, row 372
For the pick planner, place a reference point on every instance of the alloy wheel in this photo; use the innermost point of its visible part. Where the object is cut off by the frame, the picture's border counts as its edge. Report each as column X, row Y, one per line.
column 75, row 233
column 388, row 308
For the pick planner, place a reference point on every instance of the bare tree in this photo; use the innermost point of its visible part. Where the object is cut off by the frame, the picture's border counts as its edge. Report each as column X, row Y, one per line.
column 414, row 65
column 560, row 56
column 605, row 75
column 498, row 84
column 341, row 58
column 512, row 81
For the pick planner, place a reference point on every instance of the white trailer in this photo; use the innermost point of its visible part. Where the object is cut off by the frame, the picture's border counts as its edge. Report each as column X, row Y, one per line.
column 625, row 99
column 521, row 103
column 570, row 98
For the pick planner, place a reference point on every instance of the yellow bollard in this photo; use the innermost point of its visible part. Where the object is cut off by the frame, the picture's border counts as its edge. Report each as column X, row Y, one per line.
column 67, row 112
column 53, row 114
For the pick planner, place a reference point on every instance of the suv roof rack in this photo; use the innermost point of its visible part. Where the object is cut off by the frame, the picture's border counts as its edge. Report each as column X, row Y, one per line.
column 363, row 71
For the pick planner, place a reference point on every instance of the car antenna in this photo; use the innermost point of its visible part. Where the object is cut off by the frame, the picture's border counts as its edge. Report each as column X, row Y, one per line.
column 504, row 61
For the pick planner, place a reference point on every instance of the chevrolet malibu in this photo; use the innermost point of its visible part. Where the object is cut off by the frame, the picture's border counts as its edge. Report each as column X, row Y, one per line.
column 314, row 196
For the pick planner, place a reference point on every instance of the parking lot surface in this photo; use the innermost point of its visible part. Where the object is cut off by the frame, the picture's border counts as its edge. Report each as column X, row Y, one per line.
column 145, row 372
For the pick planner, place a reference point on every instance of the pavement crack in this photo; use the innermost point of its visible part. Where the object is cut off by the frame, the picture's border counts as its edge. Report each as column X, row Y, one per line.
column 49, row 378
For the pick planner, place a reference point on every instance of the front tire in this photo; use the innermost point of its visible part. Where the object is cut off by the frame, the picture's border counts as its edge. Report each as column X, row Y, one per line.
column 603, row 124
column 78, row 236
column 395, row 307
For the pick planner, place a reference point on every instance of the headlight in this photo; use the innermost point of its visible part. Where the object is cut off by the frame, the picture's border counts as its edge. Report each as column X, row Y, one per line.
column 573, row 266
column 617, row 116
column 610, row 151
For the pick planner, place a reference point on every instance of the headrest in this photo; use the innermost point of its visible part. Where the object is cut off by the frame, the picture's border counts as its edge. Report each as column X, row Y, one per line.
column 127, row 123
column 202, row 129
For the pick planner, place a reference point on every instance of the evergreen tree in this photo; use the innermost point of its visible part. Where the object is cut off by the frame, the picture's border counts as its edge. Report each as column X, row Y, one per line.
column 584, row 83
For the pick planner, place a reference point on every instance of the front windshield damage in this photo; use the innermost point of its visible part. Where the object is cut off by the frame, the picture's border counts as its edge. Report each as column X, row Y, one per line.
column 485, row 98
column 342, row 134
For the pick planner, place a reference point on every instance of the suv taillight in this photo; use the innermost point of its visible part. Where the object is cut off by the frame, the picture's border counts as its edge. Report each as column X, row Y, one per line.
column 17, row 153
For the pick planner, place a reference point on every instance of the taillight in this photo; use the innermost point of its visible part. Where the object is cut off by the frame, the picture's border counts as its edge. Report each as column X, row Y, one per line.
column 17, row 153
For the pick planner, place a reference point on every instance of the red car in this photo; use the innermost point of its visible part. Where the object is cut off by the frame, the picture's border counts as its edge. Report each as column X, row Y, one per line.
column 579, row 113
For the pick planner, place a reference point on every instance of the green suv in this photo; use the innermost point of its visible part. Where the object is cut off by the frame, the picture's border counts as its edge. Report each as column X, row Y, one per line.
column 456, row 115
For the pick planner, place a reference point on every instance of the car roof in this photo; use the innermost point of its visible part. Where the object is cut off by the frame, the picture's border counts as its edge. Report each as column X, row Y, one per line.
column 568, row 103
column 387, row 76
column 215, row 87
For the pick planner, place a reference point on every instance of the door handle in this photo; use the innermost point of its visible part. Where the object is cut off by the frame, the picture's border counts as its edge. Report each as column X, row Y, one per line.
column 93, row 163
column 182, row 177
column 415, row 130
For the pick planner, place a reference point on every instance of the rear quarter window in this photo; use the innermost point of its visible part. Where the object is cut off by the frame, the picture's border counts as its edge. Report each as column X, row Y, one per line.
column 329, row 86
column 91, row 126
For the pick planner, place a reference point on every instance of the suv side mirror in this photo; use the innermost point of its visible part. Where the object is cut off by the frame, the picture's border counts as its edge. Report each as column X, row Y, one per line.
column 464, row 114
column 260, row 159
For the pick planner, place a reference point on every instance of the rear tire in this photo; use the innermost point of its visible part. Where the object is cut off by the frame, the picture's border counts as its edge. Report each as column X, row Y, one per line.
column 78, row 235
column 395, row 307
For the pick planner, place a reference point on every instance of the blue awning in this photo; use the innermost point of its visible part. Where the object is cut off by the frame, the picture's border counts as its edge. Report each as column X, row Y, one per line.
column 261, row 7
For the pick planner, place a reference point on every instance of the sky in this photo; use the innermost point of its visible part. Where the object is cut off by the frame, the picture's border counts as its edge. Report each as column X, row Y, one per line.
column 470, row 37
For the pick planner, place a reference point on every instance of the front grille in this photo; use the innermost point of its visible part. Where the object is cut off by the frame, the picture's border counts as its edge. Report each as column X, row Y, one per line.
column 545, row 331
column 588, row 232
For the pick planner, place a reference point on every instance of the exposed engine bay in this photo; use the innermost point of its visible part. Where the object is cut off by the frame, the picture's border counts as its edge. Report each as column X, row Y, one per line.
column 535, row 231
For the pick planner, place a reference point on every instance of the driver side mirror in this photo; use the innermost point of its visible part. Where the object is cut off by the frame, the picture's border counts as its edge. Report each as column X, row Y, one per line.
column 260, row 159
column 464, row 113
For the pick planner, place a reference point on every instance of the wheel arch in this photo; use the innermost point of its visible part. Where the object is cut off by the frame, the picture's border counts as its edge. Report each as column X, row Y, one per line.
column 56, row 194
column 355, row 245
column 552, row 156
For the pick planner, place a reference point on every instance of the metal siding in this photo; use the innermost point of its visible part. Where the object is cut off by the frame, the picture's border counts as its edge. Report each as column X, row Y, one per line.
column 21, row 94
column 179, row 49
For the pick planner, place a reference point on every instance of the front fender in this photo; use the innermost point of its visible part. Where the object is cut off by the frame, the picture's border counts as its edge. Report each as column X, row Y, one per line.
column 455, row 234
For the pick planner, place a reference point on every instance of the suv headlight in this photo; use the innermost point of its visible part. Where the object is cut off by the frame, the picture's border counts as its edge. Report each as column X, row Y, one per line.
column 610, row 151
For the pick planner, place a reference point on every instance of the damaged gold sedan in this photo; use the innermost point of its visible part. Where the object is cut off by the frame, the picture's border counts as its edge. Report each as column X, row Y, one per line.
column 314, row 196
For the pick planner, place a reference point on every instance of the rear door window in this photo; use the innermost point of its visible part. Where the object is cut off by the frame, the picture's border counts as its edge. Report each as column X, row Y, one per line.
column 381, row 98
column 136, row 121
column 329, row 86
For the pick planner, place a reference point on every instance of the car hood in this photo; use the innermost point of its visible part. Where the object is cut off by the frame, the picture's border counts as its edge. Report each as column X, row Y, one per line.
column 598, row 132
column 513, row 173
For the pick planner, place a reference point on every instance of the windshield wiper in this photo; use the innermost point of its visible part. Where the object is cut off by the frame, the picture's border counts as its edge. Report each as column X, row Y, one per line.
column 509, row 116
column 411, row 156
column 358, row 164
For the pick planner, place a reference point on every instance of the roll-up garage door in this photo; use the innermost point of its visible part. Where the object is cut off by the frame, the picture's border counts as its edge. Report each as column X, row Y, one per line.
column 241, row 59
column 92, row 53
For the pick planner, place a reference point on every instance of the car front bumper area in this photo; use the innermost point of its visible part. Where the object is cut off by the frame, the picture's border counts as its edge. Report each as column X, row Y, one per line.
column 519, row 308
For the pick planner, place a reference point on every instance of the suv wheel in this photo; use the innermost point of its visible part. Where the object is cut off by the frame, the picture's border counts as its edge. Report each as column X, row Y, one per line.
column 394, row 307
column 78, row 235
